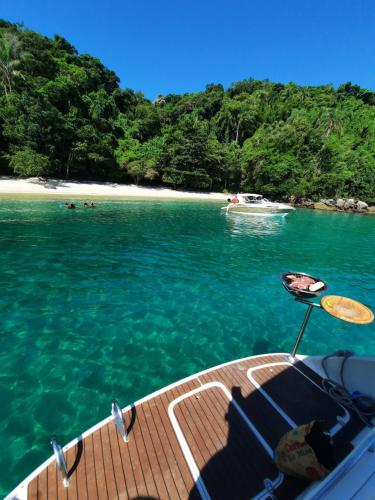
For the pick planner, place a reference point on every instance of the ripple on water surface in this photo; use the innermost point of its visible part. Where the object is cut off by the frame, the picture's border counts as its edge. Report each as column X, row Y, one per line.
column 124, row 299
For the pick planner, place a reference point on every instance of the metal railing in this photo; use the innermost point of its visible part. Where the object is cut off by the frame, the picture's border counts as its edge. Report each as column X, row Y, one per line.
column 119, row 420
column 310, row 305
column 60, row 462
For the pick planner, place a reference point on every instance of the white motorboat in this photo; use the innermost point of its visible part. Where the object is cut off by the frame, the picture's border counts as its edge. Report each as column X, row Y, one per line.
column 256, row 204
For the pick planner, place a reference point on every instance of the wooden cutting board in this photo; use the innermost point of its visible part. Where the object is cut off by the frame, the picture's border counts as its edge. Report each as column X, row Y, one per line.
column 347, row 309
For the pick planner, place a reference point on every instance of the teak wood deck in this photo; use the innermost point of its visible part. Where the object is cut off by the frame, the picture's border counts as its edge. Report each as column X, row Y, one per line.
column 210, row 436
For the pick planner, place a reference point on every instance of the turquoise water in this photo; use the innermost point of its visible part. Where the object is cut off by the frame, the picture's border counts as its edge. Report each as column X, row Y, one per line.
column 119, row 301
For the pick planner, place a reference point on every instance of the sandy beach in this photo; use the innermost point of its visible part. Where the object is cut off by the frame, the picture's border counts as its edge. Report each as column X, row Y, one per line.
column 37, row 188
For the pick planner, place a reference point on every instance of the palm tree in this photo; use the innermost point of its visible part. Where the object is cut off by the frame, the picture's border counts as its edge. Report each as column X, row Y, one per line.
column 10, row 59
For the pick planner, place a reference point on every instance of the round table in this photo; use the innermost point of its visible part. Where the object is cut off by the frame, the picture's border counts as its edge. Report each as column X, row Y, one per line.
column 347, row 309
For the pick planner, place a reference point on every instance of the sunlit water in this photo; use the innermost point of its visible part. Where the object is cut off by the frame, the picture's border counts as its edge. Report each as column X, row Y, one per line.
column 118, row 301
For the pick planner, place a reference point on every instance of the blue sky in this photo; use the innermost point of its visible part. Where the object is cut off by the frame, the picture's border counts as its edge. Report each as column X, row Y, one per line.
column 176, row 46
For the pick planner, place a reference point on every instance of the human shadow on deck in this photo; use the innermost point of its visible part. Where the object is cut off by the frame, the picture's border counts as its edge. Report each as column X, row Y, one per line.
column 238, row 467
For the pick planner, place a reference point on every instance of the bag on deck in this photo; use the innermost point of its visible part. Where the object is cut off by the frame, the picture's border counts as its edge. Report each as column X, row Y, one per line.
column 298, row 450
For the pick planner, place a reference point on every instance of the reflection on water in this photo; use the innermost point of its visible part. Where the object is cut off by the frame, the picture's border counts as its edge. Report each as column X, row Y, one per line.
column 255, row 225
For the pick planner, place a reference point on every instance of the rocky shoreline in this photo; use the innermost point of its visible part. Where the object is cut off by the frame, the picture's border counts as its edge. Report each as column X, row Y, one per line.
column 337, row 205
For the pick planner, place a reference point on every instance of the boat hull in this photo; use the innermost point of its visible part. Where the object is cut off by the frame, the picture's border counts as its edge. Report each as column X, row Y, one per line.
column 258, row 210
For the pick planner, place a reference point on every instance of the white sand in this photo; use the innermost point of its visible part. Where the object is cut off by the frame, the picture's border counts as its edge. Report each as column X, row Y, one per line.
column 40, row 188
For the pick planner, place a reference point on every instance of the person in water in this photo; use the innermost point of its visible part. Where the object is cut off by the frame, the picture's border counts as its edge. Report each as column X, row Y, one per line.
column 86, row 205
column 70, row 205
column 93, row 205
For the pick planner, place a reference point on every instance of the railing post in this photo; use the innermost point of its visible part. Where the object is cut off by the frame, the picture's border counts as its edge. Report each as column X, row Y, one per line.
column 60, row 462
column 304, row 323
column 119, row 420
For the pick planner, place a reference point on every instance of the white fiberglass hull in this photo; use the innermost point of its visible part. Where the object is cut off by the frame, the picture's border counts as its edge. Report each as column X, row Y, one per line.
column 258, row 209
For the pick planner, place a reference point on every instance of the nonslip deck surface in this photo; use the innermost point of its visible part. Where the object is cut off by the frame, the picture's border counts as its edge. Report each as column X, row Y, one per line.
column 192, row 441
column 223, row 445
column 289, row 389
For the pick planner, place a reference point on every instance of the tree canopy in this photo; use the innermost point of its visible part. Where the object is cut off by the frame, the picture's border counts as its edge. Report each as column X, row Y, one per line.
column 63, row 114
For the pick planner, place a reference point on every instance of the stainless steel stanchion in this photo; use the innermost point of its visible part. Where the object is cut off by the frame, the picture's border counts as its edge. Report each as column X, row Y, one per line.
column 311, row 305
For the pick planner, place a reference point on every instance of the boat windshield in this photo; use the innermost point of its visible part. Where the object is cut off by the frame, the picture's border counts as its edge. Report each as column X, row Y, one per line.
column 253, row 199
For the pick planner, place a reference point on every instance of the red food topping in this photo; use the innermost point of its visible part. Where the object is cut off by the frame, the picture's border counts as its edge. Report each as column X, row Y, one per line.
column 300, row 282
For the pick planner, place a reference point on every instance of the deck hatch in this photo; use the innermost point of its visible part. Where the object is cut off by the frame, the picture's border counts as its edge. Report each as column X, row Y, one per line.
column 296, row 397
column 225, row 452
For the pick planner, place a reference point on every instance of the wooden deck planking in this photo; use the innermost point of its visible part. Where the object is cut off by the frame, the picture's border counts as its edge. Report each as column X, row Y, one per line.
column 136, row 466
column 158, row 489
column 43, row 481
column 199, row 449
column 108, row 463
column 202, row 444
column 127, row 467
column 99, row 465
column 32, row 490
column 155, row 459
column 116, row 446
column 232, row 471
column 269, row 423
column 144, row 458
column 231, row 460
column 61, row 492
column 242, row 440
column 52, row 480
column 180, row 468
column 89, row 465
column 71, row 455
column 211, row 409
column 82, row 490
column 164, row 453
column 193, row 421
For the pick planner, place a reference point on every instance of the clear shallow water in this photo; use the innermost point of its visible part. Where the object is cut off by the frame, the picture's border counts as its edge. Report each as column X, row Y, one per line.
column 119, row 301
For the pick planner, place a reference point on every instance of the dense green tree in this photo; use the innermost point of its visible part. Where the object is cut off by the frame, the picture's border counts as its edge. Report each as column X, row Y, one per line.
column 9, row 60
column 63, row 114
column 28, row 162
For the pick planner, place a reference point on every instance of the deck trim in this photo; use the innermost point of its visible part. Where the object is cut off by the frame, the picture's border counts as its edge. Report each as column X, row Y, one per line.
column 341, row 420
column 268, row 483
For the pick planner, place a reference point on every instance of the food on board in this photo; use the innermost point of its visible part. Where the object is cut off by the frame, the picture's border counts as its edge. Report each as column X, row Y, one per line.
column 301, row 282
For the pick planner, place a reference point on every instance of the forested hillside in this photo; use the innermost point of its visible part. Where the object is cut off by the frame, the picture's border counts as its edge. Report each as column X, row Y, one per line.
column 64, row 115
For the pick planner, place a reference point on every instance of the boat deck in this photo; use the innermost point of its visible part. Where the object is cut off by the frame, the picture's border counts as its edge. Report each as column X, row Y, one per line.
column 210, row 436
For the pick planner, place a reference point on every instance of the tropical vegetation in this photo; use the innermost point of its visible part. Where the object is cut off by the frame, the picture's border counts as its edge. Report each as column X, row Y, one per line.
column 64, row 115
